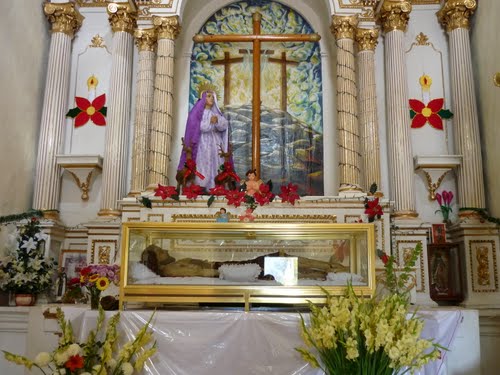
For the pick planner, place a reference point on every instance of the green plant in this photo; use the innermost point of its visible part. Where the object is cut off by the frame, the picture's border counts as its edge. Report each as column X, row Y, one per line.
column 26, row 270
column 99, row 355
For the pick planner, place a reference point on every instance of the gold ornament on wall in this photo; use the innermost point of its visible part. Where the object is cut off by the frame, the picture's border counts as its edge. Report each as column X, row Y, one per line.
column 97, row 42
column 496, row 79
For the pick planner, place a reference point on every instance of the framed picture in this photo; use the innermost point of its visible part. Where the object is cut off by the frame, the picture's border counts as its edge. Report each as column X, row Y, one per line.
column 72, row 261
column 438, row 233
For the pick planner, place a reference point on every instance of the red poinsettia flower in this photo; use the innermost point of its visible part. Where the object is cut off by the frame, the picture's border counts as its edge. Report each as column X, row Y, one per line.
column 192, row 191
column 74, row 362
column 235, row 197
column 264, row 195
column 432, row 113
column 166, row 192
column 289, row 193
column 373, row 209
column 85, row 111
column 218, row 190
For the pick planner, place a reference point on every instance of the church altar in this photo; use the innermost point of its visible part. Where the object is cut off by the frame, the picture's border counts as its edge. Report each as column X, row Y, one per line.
column 263, row 342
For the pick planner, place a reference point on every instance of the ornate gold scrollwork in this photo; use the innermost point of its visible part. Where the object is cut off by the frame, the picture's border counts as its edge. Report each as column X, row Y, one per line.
column 122, row 17
column 167, row 27
column 394, row 15
column 456, row 14
column 145, row 39
column 63, row 17
column 344, row 27
column 367, row 39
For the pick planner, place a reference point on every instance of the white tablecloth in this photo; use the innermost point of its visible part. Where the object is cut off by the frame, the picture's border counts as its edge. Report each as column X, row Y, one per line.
column 239, row 343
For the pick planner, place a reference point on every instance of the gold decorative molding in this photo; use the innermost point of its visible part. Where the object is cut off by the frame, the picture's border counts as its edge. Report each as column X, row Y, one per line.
column 482, row 254
column 422, row 39
column 122, row 17
column 103, row 251
column 367, row 39
column 344, row 27
column 435, row 169
column 81, row 168
column 109, row 212
column 394, row 15
column 97, row 42
column 167, row 27
column 63, row 17
column 455, row 14
column 145, row 39
column 93, row 3
column 155, row 3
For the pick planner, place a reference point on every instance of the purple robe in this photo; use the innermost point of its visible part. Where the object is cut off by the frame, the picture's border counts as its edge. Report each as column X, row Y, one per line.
column 205, row 139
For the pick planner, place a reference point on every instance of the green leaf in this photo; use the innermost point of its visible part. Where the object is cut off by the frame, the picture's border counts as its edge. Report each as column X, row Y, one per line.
column 373, row 188
column 210, row 200
column 146, row 202
column 445, row 113
column 73, row 112
column 412, row 113
column 104, row 111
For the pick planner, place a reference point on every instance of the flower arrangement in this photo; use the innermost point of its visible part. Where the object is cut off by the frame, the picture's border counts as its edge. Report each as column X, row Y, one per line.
column 356, row 335
column 99, row 355
column 96, row 278
column 25, row 270
column 444, row 200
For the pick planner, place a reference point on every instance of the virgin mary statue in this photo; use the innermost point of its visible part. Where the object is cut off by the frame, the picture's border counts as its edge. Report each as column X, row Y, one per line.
column 206, row 133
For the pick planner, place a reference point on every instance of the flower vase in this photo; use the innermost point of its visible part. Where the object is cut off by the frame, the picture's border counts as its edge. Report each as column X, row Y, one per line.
column 95, row 298
column 25, row 299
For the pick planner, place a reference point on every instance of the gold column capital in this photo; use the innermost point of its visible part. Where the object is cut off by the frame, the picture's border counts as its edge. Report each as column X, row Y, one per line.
column 64, row 17
column 122, row 17
column 394, row 15
column 344, row 27
column 167, row 27
column 367, row 39
column 456, row 13
column 145, row 39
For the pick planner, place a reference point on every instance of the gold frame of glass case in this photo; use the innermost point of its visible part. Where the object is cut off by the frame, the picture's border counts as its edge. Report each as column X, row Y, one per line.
column 156, row 256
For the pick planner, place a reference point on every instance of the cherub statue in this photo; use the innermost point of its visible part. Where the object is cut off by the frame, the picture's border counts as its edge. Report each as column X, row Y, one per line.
column 252, row 183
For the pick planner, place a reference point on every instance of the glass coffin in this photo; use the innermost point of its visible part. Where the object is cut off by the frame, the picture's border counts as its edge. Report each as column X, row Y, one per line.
column 244, row 263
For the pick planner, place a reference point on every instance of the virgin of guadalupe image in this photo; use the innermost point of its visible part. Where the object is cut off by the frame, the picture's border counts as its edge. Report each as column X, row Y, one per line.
column 206, row 133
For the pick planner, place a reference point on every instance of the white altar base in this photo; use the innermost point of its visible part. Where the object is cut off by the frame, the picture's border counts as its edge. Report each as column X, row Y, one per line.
column 227, row 341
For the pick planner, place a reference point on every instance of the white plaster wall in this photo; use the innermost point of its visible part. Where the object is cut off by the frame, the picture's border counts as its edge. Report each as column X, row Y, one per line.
column 433, row 61
column 486, row 62
column 24, row 42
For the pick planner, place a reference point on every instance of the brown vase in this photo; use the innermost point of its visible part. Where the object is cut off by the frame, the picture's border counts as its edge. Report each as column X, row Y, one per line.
column 25, row 299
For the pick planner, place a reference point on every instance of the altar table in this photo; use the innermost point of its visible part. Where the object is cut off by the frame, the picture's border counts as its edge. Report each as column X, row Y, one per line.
column 231, row 342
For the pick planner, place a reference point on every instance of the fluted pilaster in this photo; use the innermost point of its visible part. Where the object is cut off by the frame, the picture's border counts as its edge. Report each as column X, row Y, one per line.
column 65, row 21
column 454, row 17
column 122, row 20
column 343, row 28
column 167, row 29
column 394, row 16
column 146, row 43
column 367, row 40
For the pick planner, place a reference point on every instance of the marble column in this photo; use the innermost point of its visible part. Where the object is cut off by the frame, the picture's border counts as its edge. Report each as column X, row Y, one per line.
column 343, row 28
column 145, row 40
column 65, row 20
column 122, row 19
column 394, row 16
column 367, row 40
column 167, row 29
column 454, row 17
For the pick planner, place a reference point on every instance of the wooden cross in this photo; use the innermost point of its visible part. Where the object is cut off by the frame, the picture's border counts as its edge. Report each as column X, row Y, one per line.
column 226, row 62
column 256, row 38
column 284, row 87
